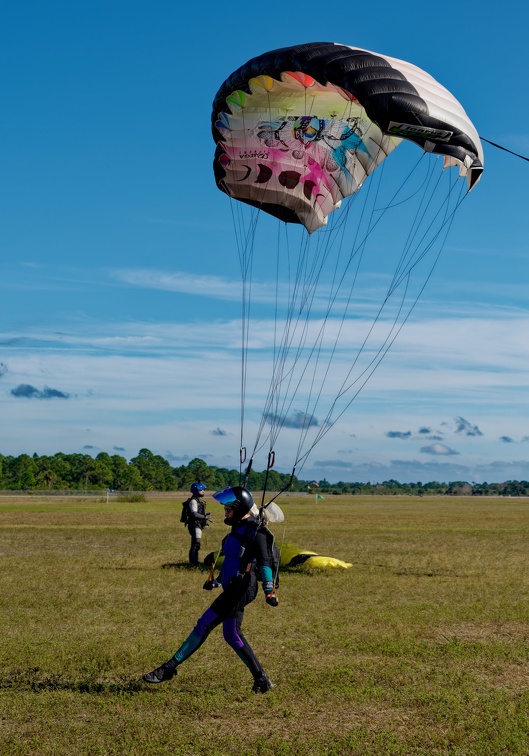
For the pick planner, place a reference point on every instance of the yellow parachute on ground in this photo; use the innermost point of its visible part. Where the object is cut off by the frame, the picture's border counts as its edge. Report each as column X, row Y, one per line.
column 291, row 556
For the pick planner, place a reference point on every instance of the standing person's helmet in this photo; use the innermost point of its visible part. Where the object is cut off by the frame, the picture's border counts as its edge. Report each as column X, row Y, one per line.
column 236, row 497
column 197, row 489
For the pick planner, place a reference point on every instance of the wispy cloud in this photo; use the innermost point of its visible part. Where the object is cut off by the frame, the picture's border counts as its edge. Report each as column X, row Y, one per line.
column 26, row 391
column 414, row 470
column 438, row 450
column 333, row 464
column 459, row 426
column 465, row 428
column 297, row 419
column 216, row 287
column 176, row 458
column 343, row 300
column 147, row 382
column 218, row 432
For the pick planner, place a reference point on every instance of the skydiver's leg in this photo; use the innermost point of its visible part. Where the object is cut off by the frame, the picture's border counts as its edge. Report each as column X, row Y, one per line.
column 205, row 624
column 224, row 606
column 196, row 537
column 231, row 628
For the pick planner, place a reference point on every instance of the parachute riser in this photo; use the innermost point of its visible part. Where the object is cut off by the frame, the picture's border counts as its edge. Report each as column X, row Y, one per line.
column 285, row 488
column 247, row 472
column 270, row 464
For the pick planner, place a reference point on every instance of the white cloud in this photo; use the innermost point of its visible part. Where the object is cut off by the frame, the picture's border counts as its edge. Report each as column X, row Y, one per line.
column 438, row 450
column 180, row 282
column 144, row 384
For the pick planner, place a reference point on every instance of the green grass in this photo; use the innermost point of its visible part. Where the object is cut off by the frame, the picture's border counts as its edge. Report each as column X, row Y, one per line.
column 422, row 647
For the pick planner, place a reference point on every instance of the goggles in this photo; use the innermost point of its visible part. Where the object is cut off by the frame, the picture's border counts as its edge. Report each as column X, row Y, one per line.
column 226, row 497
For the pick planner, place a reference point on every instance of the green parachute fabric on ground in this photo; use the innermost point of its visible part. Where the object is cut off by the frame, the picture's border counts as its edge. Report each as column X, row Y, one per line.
column 292, row 556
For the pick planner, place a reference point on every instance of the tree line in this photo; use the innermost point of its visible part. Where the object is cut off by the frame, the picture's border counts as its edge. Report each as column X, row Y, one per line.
column 152, row 472
column 454, row 488
column 145, row 472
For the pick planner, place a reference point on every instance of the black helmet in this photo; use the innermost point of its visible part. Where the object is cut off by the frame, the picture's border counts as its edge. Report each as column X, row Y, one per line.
column 237, row 497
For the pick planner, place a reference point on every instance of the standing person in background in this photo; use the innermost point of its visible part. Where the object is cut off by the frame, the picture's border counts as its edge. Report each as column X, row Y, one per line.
column 195, row 517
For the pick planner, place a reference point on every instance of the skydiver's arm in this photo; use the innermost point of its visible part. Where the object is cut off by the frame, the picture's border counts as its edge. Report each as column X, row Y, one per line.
column 264, row 562
column 195, row 514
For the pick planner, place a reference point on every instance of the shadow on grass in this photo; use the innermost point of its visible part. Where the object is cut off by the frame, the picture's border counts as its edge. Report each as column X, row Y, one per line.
column 38, row 681
column 416, row 571
column 424, row 573
column 184, row 566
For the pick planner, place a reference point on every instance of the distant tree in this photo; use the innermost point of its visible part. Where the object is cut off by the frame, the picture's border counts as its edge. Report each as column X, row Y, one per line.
column 155, row 471
column 482, row 489
column 125, row 477
column 198, row 470
column 54, row 472
column 516, row 488
column 222, row 477
column 459, row 488
column 22, row 472
column 102, row 473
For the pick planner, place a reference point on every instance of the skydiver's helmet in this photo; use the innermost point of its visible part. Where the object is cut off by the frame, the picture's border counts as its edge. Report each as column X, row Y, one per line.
column 197, row 489
column 236, row 497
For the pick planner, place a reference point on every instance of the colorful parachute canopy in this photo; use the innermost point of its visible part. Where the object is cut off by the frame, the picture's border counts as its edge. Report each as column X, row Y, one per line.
column 300, row 128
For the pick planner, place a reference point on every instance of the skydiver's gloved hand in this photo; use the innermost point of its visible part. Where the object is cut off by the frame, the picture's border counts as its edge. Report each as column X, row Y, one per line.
column 268, row 588
column 210, row 584
column 207, row 518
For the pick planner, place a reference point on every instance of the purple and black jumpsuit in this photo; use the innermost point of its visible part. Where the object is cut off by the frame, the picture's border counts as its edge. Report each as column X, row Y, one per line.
column 245, row 551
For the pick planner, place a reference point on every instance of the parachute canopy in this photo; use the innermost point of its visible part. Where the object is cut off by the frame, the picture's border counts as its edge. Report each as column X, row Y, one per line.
column 291, row 556
column 300, row 128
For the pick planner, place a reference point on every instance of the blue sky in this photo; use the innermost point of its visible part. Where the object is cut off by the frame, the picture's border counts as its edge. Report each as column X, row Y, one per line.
column 120, row 283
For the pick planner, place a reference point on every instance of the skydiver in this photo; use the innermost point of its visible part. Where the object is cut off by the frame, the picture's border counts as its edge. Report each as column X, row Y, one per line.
column 245, row 551
column 196, row 519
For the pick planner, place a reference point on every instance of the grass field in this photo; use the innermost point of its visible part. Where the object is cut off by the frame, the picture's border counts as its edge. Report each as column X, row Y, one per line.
column 422, row 647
